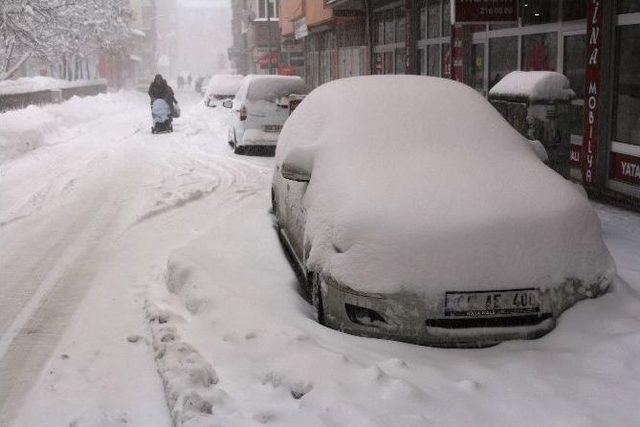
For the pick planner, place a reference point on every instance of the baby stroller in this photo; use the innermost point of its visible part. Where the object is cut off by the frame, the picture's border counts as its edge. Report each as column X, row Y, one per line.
column 162, row 117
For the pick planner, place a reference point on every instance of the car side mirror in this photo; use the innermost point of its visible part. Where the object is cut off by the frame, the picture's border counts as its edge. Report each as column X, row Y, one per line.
column 227, row 103
column 298, row 164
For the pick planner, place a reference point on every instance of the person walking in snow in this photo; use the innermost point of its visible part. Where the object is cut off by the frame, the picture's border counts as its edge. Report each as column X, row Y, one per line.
column 160, row 89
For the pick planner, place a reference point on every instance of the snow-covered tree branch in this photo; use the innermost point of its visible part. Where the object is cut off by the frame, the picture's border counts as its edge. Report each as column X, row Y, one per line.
column 60, row 31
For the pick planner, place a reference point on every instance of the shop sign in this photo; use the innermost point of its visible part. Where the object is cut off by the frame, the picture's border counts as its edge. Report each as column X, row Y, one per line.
column 479, row 11
column 300, row 29
column 285, row 70
column 266, row 58
column 625, row 168
column 592, row 93
column 574, row 155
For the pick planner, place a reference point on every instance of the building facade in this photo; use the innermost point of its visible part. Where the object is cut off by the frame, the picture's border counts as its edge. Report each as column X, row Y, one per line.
column 595, row 43
column 256, row 36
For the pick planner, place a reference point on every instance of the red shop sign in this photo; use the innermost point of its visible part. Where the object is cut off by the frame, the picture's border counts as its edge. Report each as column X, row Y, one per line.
column 625, row 168
column 475, row 11
column 592, row 93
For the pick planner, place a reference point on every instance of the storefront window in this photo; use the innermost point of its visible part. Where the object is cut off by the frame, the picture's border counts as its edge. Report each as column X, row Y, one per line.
column 575, row 52
column 389, row 64
column 400, row 61
column 379, row 24
column 627, row 88
column 574, row 9
column 433, row 60
column 446, row 61
column 433, row 18
column 421, row 62
column 423, row 21
column 503, row 58
column 477, row 66
column 446, row 17
column 400, row 25
column 534, row 12
column 389, row 27
column 628, row 6
column 540, row 52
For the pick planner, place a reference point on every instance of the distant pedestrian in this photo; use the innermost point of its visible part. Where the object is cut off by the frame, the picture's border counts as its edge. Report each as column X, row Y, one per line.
column 180, row 82
column 189, row 79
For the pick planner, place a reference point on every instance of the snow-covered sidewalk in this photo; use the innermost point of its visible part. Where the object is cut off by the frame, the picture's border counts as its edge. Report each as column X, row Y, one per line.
column 125, row 254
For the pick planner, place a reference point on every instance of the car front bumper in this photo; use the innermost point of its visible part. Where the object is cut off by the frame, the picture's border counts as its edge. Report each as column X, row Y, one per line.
column 420, row 320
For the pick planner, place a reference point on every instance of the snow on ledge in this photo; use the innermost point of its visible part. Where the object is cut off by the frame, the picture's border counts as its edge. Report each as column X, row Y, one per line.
column 533, row 86
column 35, row 84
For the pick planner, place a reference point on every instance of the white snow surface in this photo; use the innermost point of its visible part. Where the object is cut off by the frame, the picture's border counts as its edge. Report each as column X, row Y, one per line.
column 34, row 84
column 224, row 84
column 406, row 201
column 29, row 128
column 535, row 86
column 125, row 254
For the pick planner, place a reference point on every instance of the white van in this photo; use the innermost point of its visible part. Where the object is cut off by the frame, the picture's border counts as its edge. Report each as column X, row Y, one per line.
column 260, row 109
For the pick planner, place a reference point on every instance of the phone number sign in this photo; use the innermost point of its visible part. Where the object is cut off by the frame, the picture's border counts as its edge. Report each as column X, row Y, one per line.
column 476, row 11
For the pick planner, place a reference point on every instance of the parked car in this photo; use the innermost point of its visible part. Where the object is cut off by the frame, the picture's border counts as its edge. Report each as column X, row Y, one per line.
column 414, row 212
column 221, row 87
column 260, row 109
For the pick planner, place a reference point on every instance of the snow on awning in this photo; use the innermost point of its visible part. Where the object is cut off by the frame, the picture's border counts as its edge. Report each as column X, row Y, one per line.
column 533, row 86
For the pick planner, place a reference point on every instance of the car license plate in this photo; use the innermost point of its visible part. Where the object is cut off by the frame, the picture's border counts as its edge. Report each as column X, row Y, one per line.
column 492, row 303
column 272, row 128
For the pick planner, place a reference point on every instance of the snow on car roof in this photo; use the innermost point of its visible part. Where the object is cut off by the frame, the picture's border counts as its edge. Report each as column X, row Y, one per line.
column 269, row 87
column 224, row 84
column 419, row 183
column 534, row 86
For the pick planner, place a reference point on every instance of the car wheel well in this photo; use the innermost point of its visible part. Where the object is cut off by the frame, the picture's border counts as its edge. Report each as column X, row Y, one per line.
column 316, row 295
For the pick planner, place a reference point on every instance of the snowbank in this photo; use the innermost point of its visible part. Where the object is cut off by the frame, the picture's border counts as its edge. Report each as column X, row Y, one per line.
column 534, row 86
column 440, row 196
column 34, row 84
column 27, row 129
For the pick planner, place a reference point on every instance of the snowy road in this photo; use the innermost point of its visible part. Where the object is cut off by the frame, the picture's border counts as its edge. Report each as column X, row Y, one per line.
column 125, row 255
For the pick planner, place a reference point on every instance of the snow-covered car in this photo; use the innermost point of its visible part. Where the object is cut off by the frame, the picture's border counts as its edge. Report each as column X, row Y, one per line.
column 427, row 218
column 259, row 111
column 220, row 88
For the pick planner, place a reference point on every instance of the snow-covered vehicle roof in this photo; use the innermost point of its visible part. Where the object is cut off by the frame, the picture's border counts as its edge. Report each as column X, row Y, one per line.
column 534, row 86
column 269, row 87
column 224, row 84
column 418, row 184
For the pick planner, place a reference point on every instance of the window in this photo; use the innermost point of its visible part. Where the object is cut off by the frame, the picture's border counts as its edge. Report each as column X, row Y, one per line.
column 574, row 9
column 268, row 9
column 400, row 25
column 477, row 66
column 503, row 58
column 389, row 65
column 627, row 86
column 389, row 27
column 400, row 64
column 433, row 60
column 446, row 61
column 575, row 51
column 379, row 25
column 540, row 52
column 628, row 6
column 433, row 18
column 421, row 62
column 446, row 16
column 422, row 32
column 534, row 12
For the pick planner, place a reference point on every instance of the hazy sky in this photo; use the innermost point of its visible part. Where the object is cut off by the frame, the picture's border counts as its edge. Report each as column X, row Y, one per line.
column 198, row 36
